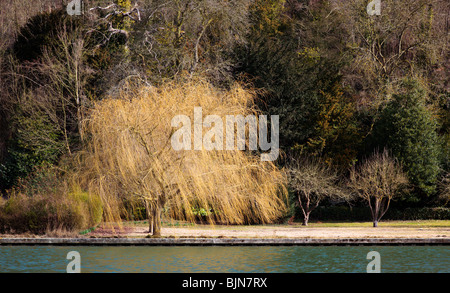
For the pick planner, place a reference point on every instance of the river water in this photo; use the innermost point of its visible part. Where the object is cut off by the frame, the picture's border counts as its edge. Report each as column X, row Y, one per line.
column 230, row 259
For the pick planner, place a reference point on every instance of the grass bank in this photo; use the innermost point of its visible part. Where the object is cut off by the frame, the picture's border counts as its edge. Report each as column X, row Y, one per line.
column 328, row 230
column 318, row 224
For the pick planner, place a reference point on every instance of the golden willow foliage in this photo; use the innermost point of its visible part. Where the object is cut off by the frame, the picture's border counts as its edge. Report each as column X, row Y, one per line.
column 130, row 155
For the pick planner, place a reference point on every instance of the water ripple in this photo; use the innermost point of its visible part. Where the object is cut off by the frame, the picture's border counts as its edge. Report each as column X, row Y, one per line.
column 218, row 259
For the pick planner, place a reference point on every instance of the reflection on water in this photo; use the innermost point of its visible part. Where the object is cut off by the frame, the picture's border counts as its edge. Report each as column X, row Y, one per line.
column 235, row 259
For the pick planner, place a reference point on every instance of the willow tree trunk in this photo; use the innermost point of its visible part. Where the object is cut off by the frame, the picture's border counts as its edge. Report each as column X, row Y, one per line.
column 154, row 218
column 149, row 209
column 156, row 221
column 154, row 212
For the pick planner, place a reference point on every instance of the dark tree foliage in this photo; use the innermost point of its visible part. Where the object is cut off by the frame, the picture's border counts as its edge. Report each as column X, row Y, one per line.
column 41, row 31
column 407, row 127
column 292, row 54
column 41, row 92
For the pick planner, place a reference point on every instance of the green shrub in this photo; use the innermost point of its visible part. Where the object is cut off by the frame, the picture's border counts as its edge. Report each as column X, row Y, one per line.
column 202, row 214
column 44, row 202
column 38, row 214
column 133, row 210
column 89, row 203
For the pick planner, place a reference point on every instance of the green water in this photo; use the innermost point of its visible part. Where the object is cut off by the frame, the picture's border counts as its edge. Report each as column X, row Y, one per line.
column 234, row 259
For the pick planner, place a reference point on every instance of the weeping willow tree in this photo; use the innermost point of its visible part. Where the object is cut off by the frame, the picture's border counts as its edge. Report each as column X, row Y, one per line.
column 130, row 155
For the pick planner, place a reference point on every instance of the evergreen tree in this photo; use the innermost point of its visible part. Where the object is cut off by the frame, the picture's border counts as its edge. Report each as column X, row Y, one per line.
column 408, row 129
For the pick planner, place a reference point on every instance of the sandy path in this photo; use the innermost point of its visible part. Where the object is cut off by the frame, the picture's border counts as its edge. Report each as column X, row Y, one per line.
column 294, row 232
column 261, row 232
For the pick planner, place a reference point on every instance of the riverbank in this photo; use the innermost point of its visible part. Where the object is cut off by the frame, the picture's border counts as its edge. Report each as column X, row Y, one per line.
column 395, row 229
column 212, row 241
column 354, row 230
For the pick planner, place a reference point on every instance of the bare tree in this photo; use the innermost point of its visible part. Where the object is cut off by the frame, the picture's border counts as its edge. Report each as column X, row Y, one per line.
column 444, row 190
column 409, row 37
column 377, row 181
column 313, row 181
column 67, row 73
column 189, row 37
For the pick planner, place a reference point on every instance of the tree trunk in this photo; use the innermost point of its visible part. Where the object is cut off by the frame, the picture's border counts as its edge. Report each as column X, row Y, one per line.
column 305, row 209
column 154, row 211
column 150, row 224
column 305, row 219
column 149, row 217
column 376, row 212
column 156, row 221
